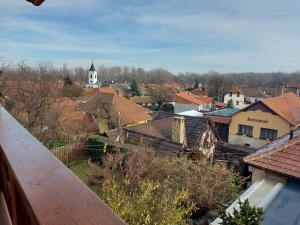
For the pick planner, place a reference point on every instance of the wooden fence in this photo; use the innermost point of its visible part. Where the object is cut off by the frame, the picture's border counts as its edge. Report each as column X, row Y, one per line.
column 81, row 151
column 71, row 153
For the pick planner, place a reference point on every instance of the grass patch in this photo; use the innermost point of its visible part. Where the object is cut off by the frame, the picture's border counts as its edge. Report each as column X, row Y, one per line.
column 80, row 168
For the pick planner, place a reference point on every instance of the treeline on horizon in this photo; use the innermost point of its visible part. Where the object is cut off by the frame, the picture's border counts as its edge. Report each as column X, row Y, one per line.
column 160, row 75
column 125, row 74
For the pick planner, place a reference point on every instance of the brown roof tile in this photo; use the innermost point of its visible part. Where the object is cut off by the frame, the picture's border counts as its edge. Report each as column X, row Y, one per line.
column 283, row 159
column 161, row 127
column 235, row 90
column 199, row 91
column 187, row 97
column 113, row 104
column 293, row 85
column 287, row 106
column 142, row 99
column 253, row 92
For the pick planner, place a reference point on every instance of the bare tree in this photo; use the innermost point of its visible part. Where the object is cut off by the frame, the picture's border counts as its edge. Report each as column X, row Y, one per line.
column 161, row 94
column 33, row 93
column 80, row 74
column 218, row 85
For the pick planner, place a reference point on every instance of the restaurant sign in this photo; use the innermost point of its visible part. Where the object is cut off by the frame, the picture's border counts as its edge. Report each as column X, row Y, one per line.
column 257, row 120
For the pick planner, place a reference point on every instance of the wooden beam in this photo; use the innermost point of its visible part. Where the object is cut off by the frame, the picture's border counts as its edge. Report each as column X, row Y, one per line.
column 43, row 189
column 4, row 215
column 36, row 2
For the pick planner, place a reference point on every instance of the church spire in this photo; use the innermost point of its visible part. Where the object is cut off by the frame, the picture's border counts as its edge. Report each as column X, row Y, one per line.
column 92, row 68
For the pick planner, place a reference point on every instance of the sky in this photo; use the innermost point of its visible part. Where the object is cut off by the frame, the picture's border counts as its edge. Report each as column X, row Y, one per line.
column 178, row 35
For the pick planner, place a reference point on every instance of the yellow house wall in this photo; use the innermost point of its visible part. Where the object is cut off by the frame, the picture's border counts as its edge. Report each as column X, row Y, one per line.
column 103, row 125
column 259, row 174
column 271, row 122
column 136, row 123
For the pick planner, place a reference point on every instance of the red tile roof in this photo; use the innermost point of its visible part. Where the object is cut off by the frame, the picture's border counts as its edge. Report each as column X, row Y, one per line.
column 71, row 120
column 219, row 104
column 130, row 112
column 199, row 91
column 187, row 97
column 142, row 99
column 286, row 106
column 283, row 159
column 235, row 90
column 161, row 127
column 253, row 92
column 293, row 85
column 106, row 90
column 219, row 119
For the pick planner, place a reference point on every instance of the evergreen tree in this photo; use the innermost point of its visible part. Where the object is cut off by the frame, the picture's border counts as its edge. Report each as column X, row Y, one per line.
column 247, row 215
column 230, row 104
column 134, row 89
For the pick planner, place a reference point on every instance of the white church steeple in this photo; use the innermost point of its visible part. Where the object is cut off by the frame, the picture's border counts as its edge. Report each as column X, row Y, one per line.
column 92, row 77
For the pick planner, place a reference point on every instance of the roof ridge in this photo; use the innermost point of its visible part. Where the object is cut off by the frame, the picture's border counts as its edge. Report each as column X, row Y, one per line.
column 152, row 136
column 272, row 150
column 272, row 103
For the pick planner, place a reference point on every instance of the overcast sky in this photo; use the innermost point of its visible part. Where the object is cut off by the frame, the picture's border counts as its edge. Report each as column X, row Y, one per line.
column 179, row 35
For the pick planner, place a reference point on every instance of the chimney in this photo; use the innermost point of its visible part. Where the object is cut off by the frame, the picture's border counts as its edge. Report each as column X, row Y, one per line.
column 178, row 129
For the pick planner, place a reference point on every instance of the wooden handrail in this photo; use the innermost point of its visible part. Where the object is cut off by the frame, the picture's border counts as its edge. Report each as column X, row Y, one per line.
column 38, row 188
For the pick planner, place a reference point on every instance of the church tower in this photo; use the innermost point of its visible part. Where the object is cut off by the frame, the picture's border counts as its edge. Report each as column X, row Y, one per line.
column 92, row 75
column 92, row 81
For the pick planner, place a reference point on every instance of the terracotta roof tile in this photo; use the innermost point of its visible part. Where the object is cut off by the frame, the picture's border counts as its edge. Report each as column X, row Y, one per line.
column 161, row 127
column 130, row 112
column 283, row 159
column 287, row 106
column 159, row 144
column 199, row 91
column 253, row 92
column 142, row 99
column 187, row 97
column 235, row 90
column 74, row 121
column 293, row 85
column 106, row 90
column 219, row 104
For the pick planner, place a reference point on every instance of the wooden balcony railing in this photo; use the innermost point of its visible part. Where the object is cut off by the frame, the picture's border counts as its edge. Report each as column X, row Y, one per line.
column 38, row 188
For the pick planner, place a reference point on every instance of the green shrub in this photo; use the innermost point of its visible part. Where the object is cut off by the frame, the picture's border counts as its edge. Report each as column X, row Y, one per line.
column 208, row 186
column 147, row 203
column 247, row 215
column 98, row 146
column 55, row 143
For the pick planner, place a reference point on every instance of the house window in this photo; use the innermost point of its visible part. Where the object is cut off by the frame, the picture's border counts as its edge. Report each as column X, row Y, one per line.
column 268, row 134
column 91, row 76
column 230, row 94
column 238, row 94
column 245, row 130
column 237, row 102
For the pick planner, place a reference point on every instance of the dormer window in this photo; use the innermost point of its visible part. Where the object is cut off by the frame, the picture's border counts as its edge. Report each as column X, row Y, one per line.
column 230, row 94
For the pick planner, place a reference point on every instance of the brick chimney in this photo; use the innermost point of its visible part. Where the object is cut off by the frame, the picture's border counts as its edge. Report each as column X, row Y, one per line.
column 178, row 129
